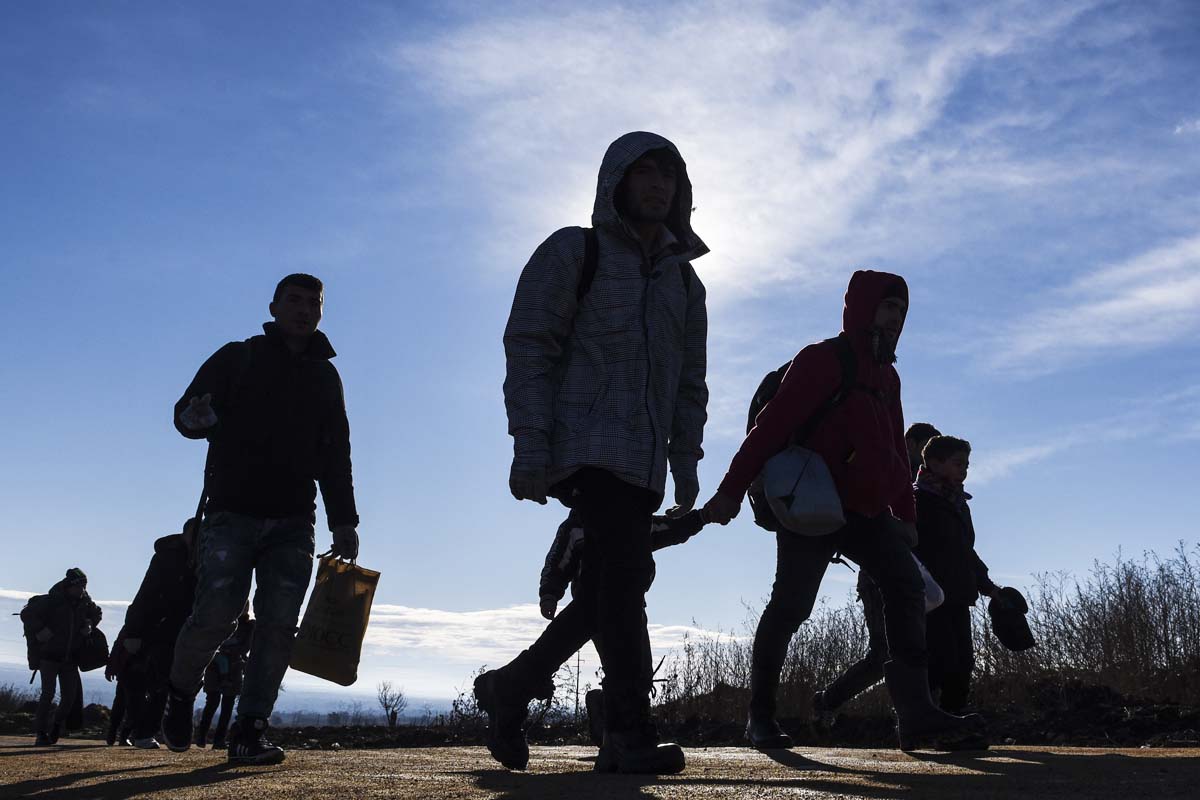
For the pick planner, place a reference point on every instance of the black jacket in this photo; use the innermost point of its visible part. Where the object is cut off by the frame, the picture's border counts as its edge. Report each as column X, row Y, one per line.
column 63, row 616
column 164, row 600
column 946, row 545
column 281, row 426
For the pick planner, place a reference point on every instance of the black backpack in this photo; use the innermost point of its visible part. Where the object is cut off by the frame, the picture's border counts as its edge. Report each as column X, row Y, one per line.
column 763, row 516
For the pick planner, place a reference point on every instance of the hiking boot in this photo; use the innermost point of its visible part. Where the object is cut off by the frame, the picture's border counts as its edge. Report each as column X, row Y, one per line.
column 506, row 712
column 593, row 701
column 638, row 752
column 248, row 743
column 148, row 743
column 177, row 721
column 919, row 723
column 764, row 733
column 762, row 730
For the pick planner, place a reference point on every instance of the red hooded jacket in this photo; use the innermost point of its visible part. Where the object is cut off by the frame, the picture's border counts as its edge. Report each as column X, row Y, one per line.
column 862, row 439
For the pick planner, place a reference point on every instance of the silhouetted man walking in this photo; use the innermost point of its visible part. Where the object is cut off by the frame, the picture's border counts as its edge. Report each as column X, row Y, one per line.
column 605, row 349
column 272, row 410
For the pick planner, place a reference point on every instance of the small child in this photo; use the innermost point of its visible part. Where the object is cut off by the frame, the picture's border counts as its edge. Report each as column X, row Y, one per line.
column 504, row 693
column 946, row 545
column 223, row 681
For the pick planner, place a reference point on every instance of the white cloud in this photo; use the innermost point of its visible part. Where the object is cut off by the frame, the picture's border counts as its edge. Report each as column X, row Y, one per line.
column 1191, row 126
column 1146, row 301
column 791, row 120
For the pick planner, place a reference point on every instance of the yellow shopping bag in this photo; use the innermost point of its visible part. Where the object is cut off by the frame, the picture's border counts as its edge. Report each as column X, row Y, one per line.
column 329, row 643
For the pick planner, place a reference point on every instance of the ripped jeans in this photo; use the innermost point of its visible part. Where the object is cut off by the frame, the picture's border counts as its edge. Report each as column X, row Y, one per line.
column 233, row 548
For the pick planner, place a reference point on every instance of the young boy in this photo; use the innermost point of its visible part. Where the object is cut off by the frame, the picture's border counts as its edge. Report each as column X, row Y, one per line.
column 946, row 545
column 531, row 674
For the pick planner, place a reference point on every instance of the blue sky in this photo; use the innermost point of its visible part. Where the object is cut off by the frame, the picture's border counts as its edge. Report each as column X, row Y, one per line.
column 1033, row 171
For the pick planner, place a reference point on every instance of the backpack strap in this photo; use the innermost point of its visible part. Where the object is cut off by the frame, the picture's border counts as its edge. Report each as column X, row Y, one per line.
column 591, row 258
column 849, row 369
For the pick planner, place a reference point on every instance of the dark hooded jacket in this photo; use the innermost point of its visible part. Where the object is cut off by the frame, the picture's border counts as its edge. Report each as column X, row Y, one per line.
column 281, row 426
column 946, row 546
column 862, row 439
column 615, row 381
column 164, row 600
column 63, row 616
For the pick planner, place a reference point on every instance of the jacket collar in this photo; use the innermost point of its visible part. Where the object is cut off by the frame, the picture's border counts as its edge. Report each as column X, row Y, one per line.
column 318, row 348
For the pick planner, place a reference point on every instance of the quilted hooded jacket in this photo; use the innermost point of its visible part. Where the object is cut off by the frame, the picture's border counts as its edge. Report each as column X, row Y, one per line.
column 862, row 439
column 616, row 380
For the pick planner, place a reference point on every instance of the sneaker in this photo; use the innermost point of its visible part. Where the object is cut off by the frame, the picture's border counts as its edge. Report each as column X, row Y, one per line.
column 506, row 716
column 248, row 743
column 177, row 721
column 149, row 743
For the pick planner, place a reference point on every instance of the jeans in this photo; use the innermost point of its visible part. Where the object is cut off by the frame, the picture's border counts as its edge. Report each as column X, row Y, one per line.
column 232, row 549
column 951, row 654
column 70, row 690
column 879, row 550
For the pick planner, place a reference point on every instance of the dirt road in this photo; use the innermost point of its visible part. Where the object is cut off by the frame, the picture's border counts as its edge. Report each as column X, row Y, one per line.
column 90, row 771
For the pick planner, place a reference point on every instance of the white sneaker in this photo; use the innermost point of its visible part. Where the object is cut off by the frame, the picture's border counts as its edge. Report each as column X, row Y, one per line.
column 149, row 743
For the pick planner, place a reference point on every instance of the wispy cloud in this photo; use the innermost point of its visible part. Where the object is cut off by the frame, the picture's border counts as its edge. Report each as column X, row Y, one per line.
column 1191, row 126
column 791, row 120
column 1149, row 300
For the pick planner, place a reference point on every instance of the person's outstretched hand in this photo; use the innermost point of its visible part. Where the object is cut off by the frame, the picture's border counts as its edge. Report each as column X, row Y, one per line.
column 528, row 484
column 345, row 542
column 199, row 414
column 548, row 606
column 722, row 508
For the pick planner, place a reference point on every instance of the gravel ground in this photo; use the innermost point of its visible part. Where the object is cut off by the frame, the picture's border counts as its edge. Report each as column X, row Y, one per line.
column 86, row 770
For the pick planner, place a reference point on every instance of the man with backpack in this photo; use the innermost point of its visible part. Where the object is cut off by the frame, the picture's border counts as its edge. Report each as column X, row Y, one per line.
column 605, row 350
column 57, row 625
column 841, row 399
column 272, row 411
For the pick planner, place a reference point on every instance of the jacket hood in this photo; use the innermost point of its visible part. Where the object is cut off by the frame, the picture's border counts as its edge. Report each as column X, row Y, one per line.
column 318, row 345
column 59, row 590
column 620, row 156
column 866, row 290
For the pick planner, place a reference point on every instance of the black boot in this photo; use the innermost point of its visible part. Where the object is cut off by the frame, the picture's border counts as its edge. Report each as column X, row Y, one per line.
column 857, row 678
column 506, row 708
column 593, row 701
column 42, row 739
column 919, row 723
column 762, row 729
column 638, row 752
column 177, row 720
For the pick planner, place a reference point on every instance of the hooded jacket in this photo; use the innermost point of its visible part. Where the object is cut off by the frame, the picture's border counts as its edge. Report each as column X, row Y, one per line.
column 63, row 616
column 861, row 439
column 281, row 425
column 164, row 599
column 614, row 381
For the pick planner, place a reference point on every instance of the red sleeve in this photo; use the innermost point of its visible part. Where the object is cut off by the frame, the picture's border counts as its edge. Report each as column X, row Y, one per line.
column 903, row 506
column 812, row 378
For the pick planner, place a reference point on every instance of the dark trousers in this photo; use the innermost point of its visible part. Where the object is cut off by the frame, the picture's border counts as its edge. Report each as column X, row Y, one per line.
column 65, row 675
column 951, row 654
column 868, row 670
column 610, row 601
column 120, row 720
column 881, row 552
column 145, row 682
column 532, row 672
column 211, row 701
